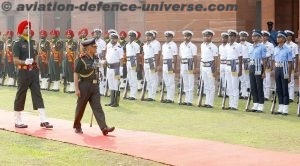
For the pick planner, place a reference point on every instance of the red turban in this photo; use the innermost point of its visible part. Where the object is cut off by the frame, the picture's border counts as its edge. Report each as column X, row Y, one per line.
column 43, row 33
column 123, row 34
column 22, row 26
column 31, row 33
column 70, row 32
column 9, row 33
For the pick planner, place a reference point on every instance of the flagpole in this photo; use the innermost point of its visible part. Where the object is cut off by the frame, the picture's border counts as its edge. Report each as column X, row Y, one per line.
column 28, row 33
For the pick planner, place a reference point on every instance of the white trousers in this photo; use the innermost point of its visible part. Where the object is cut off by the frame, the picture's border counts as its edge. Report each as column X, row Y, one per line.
column 188, row 83
column 169, row 79
column 245, row 82
column 292, row 87
column 223, row 68
column 132, row 78
column 152, row 80
column 267, row 85
column 232, row 87
column 102, row 82
column 113, row 82
column 209, row 85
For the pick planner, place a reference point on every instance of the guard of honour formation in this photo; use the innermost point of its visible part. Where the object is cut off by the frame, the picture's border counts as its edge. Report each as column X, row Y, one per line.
column 261, row 70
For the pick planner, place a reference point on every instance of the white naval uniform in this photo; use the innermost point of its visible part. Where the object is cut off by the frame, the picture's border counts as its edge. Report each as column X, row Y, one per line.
column 223, row 57
column 101, row 46
column 150, row 50
column 169, row 50
column 132, row 49
column 267, row 81
column 187, row 51
column 208, row 52
column 245, row 79
column 114, row 54
column 294, row 48
column 234, row 52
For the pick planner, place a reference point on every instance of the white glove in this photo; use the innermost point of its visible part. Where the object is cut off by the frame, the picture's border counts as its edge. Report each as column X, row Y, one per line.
column 28, row 61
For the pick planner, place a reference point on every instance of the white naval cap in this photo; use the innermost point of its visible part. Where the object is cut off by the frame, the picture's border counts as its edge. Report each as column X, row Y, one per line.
column 289, row 32
column 112, row 31
column 97, row 29
column 132, row 32
column 264, row 33
column 112, row 35
column 155, row 32
column 208, row 32
column 244, row 33
column 232, row 31
column 167, row 33
column 224, row 34
column 149, row 33
column 187, row 32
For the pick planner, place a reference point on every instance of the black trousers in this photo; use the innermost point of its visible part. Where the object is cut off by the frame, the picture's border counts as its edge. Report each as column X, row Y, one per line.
column 28, row 79
column 282, row 89
column 89, row 92
column 257, row 87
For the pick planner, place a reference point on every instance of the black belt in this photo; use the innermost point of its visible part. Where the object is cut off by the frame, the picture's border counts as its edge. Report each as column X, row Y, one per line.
column 147, row 60
column 129, row 58
column 185, row 60
column 165, row 61
column 113, row 65
column 93, row 81
column 230, row 61
column 207, row 64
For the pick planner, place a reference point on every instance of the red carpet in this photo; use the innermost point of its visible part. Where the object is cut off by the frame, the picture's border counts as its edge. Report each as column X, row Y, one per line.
column 162, row 148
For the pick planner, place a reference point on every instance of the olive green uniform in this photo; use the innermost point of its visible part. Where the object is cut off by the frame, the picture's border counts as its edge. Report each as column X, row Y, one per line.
column 43, row 58
column 89, row 91
column 28, row 76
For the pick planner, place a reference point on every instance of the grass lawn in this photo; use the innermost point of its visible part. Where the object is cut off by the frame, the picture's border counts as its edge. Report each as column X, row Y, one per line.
column 251, row 129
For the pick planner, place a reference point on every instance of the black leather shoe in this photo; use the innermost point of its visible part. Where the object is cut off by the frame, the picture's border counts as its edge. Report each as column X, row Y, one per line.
column 259, row 111
column 189, row 104
column 277, row 113
column 78, row 131
column 233, row 109
column 163, row 101
column 107, row 130
column 131, row 98
column 285, row 114
column 253, row 110
column 291, row 101
column 169, row 101
column 149, row 99
column 266, row 99
column 46, row 125
column 184, row 103
column 21, row 126
column 209, row 106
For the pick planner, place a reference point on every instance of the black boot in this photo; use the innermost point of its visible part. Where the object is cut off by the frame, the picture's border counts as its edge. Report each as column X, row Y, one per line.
column 112, row 98
column 117, row 99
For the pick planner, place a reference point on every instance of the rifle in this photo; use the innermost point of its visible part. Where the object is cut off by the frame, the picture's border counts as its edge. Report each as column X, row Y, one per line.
column 198, row 86
column 248, row 100
column 65, row 74
column 3, row 77
column 224, row 97
column 144, row 90
column 162, row 92
column 180, row 91
column 298, row 111
column 49, row 80
column 200, row 98
column 220, row 88
column 15, row 78
column 96, row 65
column 106, row 88
column 274, row 101
column 126, row 89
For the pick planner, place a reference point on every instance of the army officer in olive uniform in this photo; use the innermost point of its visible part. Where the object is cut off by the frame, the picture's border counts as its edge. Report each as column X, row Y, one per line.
column 87, row 87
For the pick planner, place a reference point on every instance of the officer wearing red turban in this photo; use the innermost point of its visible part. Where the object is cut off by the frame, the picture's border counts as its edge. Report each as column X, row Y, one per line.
column 43, row 59
column 55, row 59
column 9, row 63
column 70, row 56
column 28, row 75
column 82, row 37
